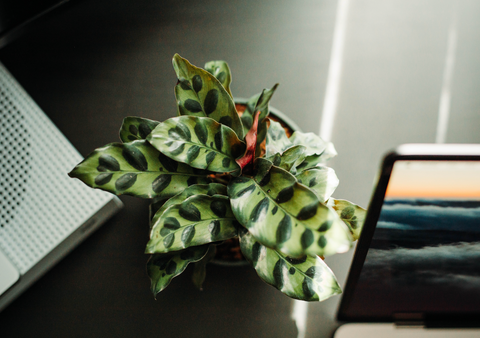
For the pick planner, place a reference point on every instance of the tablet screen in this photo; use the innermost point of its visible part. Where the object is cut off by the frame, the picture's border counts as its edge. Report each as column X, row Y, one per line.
column 425, row 251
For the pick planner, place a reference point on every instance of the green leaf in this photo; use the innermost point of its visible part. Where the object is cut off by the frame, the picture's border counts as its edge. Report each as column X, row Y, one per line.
column 200, row 267
column 286, row 215
column 258, row 102
column 198, row 220
column 136, row 128
column 222, row 73
column 277, row 140
column 321, row 180
column 313, row 161
column 352, row 214
column 306, row 278
column 289, row 159
column 136, row 169
column 200, row 142
column 313, row 143
column 199, row 93
column 197, row 189
column 162, row 268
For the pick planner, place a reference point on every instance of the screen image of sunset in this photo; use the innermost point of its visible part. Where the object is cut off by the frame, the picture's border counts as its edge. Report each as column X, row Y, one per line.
column 425, row 253
column 435, row 179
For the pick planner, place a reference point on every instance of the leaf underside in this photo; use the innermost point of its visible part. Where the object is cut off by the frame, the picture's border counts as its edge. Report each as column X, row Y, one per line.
column 285, row 215
column 137, row 169
column 306, row 278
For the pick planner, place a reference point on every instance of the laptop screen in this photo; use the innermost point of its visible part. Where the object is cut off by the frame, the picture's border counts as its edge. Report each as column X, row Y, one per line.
column 424, row 254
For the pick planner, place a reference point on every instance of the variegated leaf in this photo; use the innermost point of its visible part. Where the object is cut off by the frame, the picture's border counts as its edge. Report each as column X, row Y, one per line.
column 200, row 267
column 162, row 268
column 306, row 278
column 286, row 215
column 313, row 143
column 198, row 220
column 197, row 189
column 222, row 73
column 277, row 140
column 352, row 214
column 313, row 161
column 258, row 102
column 200, row 142
column 199, row 93
column 289, row 159
column 136, row 128
column 321, row 180
column 136, row 169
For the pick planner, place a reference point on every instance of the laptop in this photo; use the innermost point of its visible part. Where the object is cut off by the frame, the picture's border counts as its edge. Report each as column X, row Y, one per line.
column 44, row 214
column 416, row 268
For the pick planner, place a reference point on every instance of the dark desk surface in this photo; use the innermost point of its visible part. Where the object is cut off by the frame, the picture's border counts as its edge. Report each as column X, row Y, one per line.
column 94, row 62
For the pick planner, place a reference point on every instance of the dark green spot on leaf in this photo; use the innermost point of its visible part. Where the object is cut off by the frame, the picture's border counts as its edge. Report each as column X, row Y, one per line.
column 284, row 229
column 168, row 241
column 161, row 183
column 307, row 238
column 197, row 83
column 125, row 181
column 308, row 212
column 219, row 208
column 211, row 101
column 103, row 178
column 193, row 106
column 285, row 195
column 189, row 212
column 188, row 234
column 107, row 162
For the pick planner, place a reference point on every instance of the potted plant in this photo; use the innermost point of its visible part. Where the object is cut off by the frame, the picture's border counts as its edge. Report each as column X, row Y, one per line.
column 214, row 173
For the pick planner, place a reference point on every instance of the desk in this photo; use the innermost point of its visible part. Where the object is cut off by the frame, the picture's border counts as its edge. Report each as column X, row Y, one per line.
column 94, row 62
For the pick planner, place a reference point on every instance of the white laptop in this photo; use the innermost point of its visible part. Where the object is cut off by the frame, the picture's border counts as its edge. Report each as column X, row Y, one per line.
column 44, row 214
column 416, row 269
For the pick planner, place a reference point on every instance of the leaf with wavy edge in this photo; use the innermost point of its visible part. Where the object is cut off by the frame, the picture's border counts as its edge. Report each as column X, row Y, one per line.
column 286, row 215
column 222, row 73
column 352, row 214
column 198, row 220
column 162, row 268
column 307, row 278
column 289, row 159
column 313, row 161
column 314, row 144
column 201, row 142
column 197, row 189
column 277, row 140
column 258, row 102
column 199, row 93
column 136, row 128
column 137, row 169
column 321, row 180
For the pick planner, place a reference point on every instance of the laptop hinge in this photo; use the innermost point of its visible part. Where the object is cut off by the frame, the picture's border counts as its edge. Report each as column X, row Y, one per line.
column 410, row 319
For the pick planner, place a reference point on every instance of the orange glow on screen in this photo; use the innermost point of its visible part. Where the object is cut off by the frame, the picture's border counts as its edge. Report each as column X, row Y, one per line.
column 435, row 179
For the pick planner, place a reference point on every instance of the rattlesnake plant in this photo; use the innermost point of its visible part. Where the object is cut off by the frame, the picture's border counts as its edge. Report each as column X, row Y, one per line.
column 213, row 175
